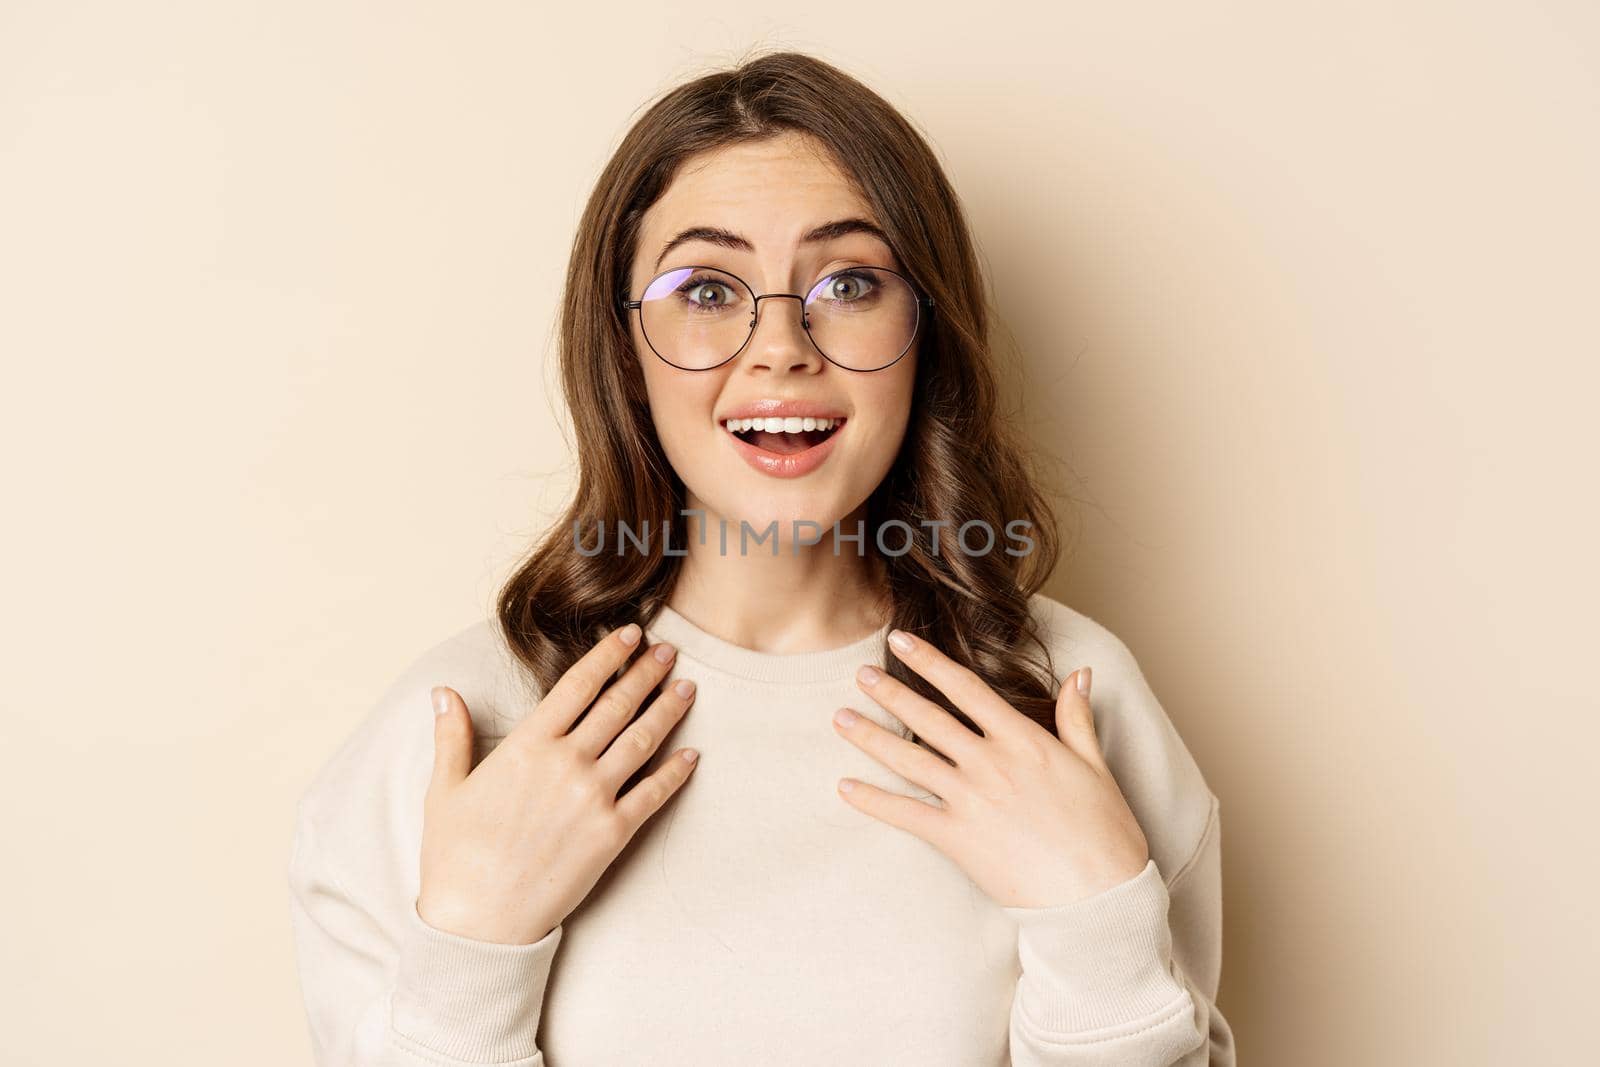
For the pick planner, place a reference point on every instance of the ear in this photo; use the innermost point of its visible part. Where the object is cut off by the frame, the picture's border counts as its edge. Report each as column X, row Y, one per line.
column 1075, row 719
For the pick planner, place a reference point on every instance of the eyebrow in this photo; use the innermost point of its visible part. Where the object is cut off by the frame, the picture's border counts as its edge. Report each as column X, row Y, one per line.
column 828, row 231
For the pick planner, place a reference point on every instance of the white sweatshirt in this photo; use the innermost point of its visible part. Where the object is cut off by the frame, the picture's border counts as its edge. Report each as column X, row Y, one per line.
column 758, row 919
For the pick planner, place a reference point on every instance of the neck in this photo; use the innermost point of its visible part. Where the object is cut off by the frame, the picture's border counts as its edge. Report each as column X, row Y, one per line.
column 804, row 598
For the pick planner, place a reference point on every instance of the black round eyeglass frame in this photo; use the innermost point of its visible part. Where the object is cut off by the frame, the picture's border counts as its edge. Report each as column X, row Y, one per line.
column 805, row 320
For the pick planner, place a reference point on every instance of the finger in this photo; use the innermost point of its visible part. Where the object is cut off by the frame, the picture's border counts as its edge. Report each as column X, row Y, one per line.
column 912, row 762
column 926, row 719
column 962, row 685
column 646, row 798
column 1075, row 719
column 452, row 738
column 639, row 741
column 621, row 699
column 576, row 689
column 916, row 817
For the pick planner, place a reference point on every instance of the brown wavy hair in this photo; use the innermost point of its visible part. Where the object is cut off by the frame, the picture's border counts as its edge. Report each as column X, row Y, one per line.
column 959, row 461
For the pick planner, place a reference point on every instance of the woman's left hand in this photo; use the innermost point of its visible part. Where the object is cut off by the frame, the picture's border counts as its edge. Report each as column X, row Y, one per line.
column 1034, row 820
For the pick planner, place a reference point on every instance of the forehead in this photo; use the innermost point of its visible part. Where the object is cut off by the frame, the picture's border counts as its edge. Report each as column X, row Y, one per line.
column 772, row 190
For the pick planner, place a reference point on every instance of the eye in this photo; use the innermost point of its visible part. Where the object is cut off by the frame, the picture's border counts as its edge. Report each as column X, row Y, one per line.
column 848, row 286
column 707, row 293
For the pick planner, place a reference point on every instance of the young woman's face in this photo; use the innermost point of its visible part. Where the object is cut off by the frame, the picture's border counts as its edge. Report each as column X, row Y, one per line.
column 770, row 194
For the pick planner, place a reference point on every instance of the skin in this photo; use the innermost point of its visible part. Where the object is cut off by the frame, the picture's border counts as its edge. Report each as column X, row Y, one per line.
column 771, row 192
column 1033, row 817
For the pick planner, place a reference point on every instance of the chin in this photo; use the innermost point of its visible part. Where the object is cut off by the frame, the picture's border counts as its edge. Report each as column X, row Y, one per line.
column 784, row 508
column 800, row 507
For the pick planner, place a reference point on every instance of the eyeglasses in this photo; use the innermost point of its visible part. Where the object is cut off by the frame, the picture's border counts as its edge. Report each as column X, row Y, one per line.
column 859, row 318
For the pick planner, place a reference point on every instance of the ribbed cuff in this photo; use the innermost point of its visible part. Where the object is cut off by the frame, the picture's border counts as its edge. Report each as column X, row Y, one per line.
column 1098, row 962
column 470, row 1000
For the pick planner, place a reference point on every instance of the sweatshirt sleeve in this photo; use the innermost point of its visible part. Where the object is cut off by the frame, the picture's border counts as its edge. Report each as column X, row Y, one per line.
column 406, row 994
column 1129, row 976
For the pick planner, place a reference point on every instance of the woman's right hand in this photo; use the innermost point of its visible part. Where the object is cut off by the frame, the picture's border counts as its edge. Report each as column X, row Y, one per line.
column 510, row 848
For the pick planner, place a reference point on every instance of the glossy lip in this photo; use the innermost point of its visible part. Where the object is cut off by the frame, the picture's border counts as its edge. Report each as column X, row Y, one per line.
column 780, row 409
column 779, row 466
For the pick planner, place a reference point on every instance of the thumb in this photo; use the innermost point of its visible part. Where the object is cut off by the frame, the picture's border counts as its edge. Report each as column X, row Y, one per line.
column 452, row 737
column 1075, row 718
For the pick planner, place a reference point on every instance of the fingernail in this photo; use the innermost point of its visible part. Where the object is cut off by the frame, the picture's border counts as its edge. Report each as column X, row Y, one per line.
column 629, row 634
column 665, row 652
column 690, row 754
column 684, row 688
column 1083, row 681
column 844, row 716
column 441, row 701
column 845, row 785
column 900, row 641
column 868, row 675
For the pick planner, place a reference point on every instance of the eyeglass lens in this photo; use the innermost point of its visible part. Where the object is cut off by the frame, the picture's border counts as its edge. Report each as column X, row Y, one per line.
column 696, row 318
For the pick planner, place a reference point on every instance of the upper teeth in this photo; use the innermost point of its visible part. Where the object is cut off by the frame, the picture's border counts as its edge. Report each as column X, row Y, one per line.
column 792, row 424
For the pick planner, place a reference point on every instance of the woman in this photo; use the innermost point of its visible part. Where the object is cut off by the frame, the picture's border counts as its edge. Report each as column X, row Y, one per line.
column 774, row 352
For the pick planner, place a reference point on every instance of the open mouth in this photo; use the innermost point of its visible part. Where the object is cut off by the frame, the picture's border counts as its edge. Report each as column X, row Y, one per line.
column 783, row 436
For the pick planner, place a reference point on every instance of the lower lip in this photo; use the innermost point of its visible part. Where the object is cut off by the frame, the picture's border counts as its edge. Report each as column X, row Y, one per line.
column 792, row 466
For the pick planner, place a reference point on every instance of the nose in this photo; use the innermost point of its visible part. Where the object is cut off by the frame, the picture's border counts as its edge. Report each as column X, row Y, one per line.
column 784, row 345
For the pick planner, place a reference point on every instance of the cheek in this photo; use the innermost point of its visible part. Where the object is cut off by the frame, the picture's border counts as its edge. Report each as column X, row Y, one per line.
column 889, row 407
column 681, row 403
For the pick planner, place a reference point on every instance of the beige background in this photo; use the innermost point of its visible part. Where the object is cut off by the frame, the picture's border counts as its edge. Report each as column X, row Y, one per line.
column 1305, row 294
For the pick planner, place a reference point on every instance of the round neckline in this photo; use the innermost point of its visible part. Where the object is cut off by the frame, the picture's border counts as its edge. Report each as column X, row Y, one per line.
column 819, row 665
